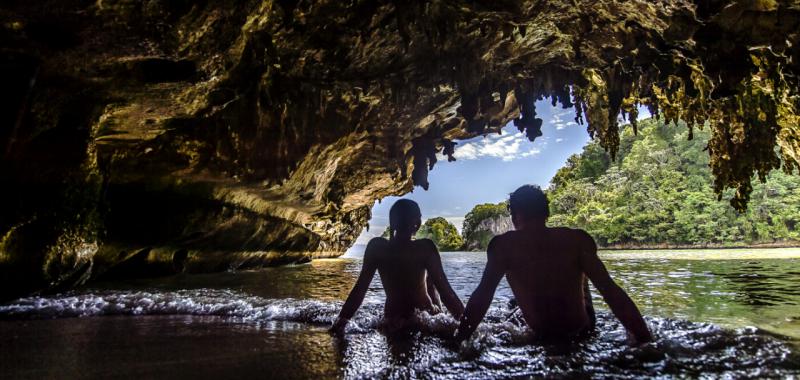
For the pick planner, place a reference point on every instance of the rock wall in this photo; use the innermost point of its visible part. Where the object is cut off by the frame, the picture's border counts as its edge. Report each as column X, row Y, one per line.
column 145, row 137
column 479, row 237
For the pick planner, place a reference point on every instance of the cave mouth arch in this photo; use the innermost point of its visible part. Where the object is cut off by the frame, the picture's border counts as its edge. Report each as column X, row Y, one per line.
column 489, row 167
column 656, row 193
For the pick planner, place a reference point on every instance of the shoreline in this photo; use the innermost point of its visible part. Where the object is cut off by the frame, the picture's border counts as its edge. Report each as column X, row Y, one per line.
column 688, row 247
column 640, row 247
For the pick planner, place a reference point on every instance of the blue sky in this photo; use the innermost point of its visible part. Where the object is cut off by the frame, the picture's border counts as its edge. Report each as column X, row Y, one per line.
column 490, row 167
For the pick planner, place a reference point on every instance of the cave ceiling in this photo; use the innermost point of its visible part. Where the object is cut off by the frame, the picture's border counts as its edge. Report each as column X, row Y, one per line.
column 306, row 112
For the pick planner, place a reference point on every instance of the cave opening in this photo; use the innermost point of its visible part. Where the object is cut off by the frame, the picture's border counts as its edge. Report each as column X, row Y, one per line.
column 489, row 167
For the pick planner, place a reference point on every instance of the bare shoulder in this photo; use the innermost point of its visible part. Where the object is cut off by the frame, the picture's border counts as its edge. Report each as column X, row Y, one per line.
column 500, row 242
column 376, row 245
column 504, row 238
column 581, row 238
column 378, row 242
column 426, row 246
column 571, row 232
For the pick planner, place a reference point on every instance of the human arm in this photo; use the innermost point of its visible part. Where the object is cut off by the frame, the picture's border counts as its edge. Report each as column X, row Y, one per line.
column 481, row 298
column 359, row 290
column 432, row 293
column 620, row 303
column 436, row 275
column 587, row 302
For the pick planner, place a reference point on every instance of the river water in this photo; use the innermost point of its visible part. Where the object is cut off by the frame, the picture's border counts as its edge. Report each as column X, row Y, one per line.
column 715, row 313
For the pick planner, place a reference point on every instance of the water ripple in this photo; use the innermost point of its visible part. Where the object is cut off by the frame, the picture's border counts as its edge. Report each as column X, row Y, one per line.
column 498, row 349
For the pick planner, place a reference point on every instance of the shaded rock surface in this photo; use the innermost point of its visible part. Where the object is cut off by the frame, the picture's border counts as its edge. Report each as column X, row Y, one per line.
column 206, row 136
column 484, row 222
column 486, row 230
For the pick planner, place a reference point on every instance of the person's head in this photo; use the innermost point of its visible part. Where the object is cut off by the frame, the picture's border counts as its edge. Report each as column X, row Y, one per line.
column 404, row 219
column 528, row 205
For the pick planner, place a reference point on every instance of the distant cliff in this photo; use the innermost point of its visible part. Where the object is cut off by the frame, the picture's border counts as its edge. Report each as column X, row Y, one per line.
column 482, row 223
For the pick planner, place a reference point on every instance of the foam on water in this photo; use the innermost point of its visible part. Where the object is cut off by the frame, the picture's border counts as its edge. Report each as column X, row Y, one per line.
column 499, row 348
column 225, row 303
column 283, row 314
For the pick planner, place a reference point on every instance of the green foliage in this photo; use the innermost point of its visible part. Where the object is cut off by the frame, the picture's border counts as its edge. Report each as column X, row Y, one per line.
column 590, row 164
column 754, row 126
column 657, row 192
column 442, row 232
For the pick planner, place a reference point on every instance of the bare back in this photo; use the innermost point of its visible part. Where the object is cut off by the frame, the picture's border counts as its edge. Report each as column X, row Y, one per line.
column 545, row 275
column 545, row 268
column 402, row 268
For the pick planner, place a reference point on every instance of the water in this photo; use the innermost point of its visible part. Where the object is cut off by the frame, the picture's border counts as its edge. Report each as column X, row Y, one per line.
column 721, row 313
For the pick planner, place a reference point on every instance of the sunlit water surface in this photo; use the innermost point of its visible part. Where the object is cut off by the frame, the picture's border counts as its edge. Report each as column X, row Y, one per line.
column 714, row 313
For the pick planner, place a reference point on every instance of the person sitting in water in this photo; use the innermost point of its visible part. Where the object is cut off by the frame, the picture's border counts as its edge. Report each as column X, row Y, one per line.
column 403, row 265
column 545, row 268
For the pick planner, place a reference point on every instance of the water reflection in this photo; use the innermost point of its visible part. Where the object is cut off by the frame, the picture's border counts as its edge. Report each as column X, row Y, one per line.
column 732, row 293
column 273, row 321
column 164, row 347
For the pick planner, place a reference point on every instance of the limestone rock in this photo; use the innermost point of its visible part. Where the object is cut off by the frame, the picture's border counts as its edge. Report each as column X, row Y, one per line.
column 232, row 134
column 479, row 238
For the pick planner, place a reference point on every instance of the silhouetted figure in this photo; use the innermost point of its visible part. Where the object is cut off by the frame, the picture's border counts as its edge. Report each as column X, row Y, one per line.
column 545, row 268
column 403, row 264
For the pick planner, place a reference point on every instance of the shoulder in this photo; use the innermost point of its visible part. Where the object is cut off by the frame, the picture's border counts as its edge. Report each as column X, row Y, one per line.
column 378, row 242
column 376, row 245
column 426, row 250
column 427, row 246
column 499, row 241
column 580, row 237
column 504, row 238
column 575, row 233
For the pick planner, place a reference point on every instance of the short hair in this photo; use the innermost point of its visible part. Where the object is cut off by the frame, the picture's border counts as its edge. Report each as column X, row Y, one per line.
column 402, row 213
column 529, row 201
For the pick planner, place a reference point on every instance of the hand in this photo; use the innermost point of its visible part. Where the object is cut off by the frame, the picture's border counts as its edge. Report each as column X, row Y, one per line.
column 454, row 341
column 460, row 335
column 459, row 316
column 338, row 326
column 634, row 341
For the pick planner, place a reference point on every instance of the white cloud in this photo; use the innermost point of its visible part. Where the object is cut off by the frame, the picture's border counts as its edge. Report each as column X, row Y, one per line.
column 562, row 120
column 508, row 147
column 558, row 140
column 467, row 151
column 531, row 153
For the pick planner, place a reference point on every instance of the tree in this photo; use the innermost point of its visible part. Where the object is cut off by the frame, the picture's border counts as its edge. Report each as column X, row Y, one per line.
column 657, row 192
column 442, row 232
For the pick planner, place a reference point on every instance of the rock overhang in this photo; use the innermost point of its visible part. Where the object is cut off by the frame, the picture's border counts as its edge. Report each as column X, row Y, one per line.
column 272, row 126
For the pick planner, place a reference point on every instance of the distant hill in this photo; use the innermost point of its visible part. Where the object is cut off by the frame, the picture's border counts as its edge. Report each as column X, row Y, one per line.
column 656, row 194
column 443, row 233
